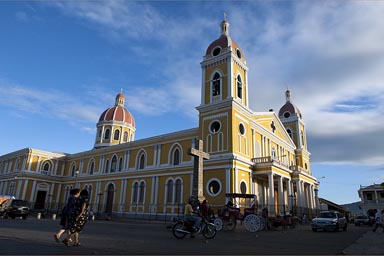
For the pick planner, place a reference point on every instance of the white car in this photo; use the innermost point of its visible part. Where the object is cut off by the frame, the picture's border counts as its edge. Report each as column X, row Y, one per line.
column 329, row 220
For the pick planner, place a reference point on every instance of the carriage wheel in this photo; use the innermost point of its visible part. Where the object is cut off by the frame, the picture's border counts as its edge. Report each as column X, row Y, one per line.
column 253, row 223
column 218, row 224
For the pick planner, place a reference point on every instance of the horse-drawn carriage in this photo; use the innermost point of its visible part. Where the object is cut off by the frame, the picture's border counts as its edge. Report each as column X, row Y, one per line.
column 231, row 213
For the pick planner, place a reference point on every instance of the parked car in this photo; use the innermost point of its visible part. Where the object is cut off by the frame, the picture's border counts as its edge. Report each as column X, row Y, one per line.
column 362, row 220
column 14, row 208
column 329, row 220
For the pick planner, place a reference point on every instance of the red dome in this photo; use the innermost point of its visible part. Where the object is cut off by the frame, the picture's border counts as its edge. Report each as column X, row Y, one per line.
column 288, row 107
column 223, row 42
column 117, row 113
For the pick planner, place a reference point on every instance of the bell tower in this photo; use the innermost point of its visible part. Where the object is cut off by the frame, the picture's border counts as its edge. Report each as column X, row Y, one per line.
column 224, row 71
column 224, row 93
column 290, row 115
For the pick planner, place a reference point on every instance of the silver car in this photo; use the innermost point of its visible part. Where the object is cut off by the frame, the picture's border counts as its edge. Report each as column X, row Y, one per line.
column 329, row 220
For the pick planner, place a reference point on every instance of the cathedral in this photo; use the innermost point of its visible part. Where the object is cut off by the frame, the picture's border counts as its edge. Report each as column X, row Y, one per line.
column 232, row 150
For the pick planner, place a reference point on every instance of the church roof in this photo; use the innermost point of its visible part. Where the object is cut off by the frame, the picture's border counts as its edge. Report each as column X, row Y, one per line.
column 118, row 112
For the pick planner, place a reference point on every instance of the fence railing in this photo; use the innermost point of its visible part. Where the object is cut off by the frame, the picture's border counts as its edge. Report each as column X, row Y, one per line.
column 165, row 212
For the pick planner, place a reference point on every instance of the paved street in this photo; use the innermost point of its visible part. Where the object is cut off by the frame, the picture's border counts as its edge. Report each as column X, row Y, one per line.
column 34, row 236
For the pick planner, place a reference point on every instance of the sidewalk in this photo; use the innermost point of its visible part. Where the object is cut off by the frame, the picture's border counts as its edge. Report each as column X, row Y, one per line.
column 371, row 243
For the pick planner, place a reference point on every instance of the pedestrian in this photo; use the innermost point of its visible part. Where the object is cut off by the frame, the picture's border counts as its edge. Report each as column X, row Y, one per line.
column 64, row 220
column 204, row 209
column 78, row 217
column 379, row 220
column 264, row 215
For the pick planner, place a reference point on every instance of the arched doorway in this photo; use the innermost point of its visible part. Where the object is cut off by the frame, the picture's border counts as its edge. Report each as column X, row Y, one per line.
column 110, row 195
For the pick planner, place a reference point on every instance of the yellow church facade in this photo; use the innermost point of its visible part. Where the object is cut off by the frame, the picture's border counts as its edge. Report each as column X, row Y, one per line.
column 260, row 153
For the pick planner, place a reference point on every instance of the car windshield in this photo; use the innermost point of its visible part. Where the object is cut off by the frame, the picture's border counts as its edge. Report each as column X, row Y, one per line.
column 329, row 215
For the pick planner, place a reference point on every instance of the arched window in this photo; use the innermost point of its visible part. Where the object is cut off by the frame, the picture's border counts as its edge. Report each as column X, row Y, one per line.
column 46, row 168
column 178, row 191
column 169, row 198
column 125, row 136
column 107, row 134
column 17, row 165
column 243, row 187
column 114, row 164
column 73, row 170
column 239, row 87
column 290, row 133
column 142, row 192
column 106, row 166
column 120, row 164
column 135, row 191
column 273, row 152
column 216, row 84
column 117, row 135
column 91, row 167
column 142, row 162
column 176, row 157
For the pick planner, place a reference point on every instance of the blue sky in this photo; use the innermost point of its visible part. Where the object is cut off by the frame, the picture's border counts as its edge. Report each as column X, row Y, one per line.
column 62, row 64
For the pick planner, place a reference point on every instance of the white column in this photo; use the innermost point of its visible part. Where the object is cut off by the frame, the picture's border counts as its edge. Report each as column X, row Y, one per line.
column 281, row 194
column 311, row 201
column 57, row 194
column 289, row 194
column 227, row 180
column 101, row 163
column 31, row 199
column 158, row 155
column 127, row 160
column 155, row 160
column 235, row 180
column 298, row 195
column 303, row 198
column 30, row 162
column 271, row 200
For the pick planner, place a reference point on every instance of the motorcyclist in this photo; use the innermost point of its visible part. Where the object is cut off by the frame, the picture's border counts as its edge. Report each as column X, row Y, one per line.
column 189, row 213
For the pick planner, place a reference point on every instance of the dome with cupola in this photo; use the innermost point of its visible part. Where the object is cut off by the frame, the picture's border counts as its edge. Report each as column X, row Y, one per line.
column 224, row 44
column 116, row 125
column 289, row 109
column 118, row 112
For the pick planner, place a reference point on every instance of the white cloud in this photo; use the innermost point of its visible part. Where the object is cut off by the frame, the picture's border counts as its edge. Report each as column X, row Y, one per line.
column 51, row 103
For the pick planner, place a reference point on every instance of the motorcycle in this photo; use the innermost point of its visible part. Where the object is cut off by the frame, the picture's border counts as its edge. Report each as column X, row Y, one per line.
column 184, row 227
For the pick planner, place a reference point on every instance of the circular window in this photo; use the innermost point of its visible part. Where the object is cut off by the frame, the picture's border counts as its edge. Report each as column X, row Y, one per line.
column 243, row 187
column 238, row 52
column 287, row 114
column 214, row 187
column 241, row 129
column 215, row 127
column 216, row 51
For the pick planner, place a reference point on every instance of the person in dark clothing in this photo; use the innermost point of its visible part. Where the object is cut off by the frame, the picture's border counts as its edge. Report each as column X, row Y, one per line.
column 78, row 217
column 65, row 213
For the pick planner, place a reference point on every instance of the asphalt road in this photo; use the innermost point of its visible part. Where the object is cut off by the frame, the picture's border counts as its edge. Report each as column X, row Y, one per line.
column 101, row 237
